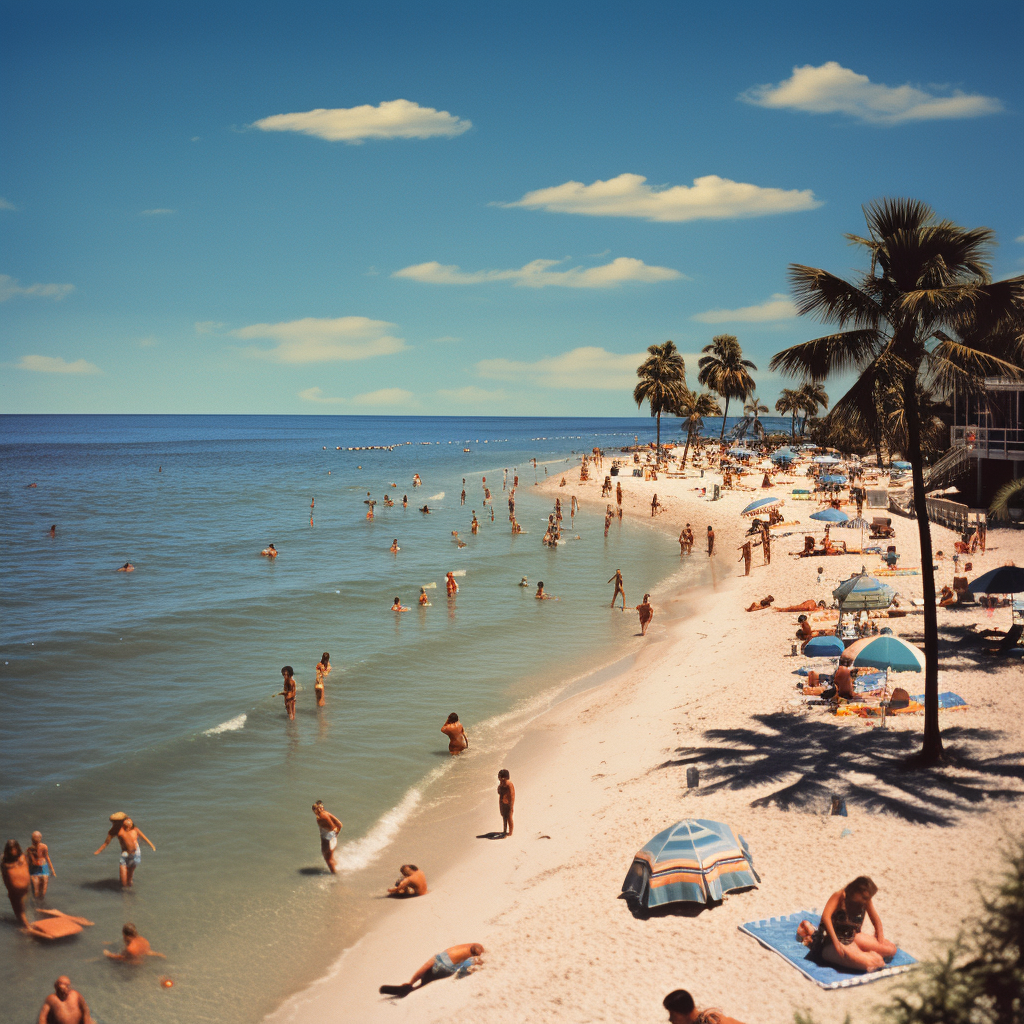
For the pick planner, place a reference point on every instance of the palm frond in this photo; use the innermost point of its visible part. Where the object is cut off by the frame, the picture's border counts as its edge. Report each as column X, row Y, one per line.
column 834, row 353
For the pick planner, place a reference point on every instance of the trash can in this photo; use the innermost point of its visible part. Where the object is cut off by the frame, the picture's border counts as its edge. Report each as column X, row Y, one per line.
column 614, row 470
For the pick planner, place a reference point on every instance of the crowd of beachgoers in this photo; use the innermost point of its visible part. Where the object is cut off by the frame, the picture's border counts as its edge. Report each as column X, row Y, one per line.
column 777, row 700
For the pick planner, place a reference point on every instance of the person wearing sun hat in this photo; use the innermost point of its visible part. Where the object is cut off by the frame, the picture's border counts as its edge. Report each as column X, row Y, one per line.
column 123, row 829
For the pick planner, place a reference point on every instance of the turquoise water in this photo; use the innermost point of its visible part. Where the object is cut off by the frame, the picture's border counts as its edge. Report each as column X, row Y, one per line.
column 152, row 692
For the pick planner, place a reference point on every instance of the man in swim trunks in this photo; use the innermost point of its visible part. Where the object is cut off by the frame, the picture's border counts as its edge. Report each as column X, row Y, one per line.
column 40, row 867
column 289, row 691
column 475, row 526
column 135, row 946
column 506, row 801
column 463, row 492
column 412, row 883
column 458, row 741
column 123, row 828
column 619, row 589
column 455, row 961
column 66, row 1006
column 329, row 827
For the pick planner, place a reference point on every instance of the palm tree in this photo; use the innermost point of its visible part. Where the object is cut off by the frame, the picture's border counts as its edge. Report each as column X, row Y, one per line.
column 725, row 371
column 693, row 408
column 812, row 397
column 662, row 381
column 926, row 277
column 752, row 410
column 789, row 401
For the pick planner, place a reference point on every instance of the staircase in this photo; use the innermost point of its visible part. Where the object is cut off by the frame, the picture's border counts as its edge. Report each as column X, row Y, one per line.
column 948, row 468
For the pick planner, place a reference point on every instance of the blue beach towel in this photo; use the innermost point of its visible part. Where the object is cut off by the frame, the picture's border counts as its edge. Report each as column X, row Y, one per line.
column 946, row 700
column 779, row 935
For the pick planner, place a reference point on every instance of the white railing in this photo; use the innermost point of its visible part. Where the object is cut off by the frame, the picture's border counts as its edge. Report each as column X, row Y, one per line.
column 989, row 442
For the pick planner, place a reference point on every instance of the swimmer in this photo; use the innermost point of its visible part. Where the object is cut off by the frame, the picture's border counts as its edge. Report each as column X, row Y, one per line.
column 412, row 883
column 269, row 551
column 394, row 549
column 424, row 600
column 416, row 481
column 398, row 606
column 450, row 586
column 123, row 828
column 475, row 526
column 329, row 827
column 541, row 596
column 619, row 589
column 53, row 530
column 65, row 1006
column 135, row 946
column 40, row 867
column 646, row 614
column 458, row 741
column 405, row 501
column 524, row 582
column 425, row 510
column 289, row 691
column 127, row 567
column 323, row 670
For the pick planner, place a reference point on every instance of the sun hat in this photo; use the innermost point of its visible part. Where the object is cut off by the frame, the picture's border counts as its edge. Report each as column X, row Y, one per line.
column 118, row 816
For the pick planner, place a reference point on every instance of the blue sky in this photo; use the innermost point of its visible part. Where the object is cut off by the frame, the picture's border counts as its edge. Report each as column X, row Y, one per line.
column 462, row 208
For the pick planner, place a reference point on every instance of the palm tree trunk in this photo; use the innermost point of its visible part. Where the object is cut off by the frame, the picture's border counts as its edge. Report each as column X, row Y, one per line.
column 931, row 750
column 689, row 434
column 657, row 451
column 721, row 436
column 792, row 425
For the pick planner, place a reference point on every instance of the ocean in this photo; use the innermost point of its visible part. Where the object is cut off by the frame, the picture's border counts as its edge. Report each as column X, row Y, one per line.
column 153, row 692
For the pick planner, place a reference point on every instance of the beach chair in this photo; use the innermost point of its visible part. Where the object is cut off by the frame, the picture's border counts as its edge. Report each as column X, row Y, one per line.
column 1008, row 643
column 881, row 527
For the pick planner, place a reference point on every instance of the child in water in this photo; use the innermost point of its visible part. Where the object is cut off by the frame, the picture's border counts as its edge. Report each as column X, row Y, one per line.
column 506, row 801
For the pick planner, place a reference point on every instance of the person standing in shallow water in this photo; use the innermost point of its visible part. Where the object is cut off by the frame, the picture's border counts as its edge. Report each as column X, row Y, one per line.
column 123, row 829
column 289, row 690
column 646, row 614
column 329, row 827
column 323, row 670
column 458, row 741
column 65, row 1005
column 39, row 865
column 619, row 589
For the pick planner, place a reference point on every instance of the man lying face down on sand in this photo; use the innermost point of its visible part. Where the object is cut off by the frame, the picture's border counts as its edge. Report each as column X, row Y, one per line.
column 682, row 1010
column 453, row 962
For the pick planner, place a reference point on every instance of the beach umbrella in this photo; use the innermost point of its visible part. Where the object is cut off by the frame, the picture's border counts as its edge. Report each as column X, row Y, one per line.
column 902, row 465
column 863, row 593
column 760, row 506
column 830, row 515
column 889, row 652
column 1004, row 579
column 834, row 478
column 692, row 861
column 783, row 455
column 824, row 647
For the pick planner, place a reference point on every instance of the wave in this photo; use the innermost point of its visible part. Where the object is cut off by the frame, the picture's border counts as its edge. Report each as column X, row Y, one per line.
column 436, row 497
column 362, row 852
column 231, row 725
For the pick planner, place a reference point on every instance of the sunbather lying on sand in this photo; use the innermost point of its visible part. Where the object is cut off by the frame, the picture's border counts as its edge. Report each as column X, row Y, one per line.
column 809, row 605
column 838, row 940
column 758, row 606
column 455, row 961
column 681, row 1010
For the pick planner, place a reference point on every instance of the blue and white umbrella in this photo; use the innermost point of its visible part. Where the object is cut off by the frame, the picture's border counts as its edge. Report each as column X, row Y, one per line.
column 760, row 506
column 824, row 647
column 834, row 479
column 863, row 593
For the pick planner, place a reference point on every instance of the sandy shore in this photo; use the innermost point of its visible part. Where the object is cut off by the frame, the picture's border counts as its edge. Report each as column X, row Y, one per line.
column 604, row 770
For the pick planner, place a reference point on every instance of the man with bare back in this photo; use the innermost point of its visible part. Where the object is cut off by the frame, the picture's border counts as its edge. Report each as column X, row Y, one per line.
column 65, row 1006
column 123, row 828
column 619, row 589
column 458, row 741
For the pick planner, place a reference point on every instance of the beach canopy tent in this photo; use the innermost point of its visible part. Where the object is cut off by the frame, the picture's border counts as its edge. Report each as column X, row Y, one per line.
column 824, row 647
column 830, row 515
column 888, row 652
column 692, row 861
column 761, row 506
column 863, row 593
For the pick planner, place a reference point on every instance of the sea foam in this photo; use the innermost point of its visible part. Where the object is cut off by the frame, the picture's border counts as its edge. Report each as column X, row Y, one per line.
column 436, row 497
column 231, row 725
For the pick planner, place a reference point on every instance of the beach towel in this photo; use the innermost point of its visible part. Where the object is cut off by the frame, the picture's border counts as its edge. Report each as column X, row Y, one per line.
column 947, row 700
column 779, row 935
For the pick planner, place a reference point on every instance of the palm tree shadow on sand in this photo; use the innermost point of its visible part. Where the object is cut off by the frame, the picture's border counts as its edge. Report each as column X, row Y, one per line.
column 810, row 761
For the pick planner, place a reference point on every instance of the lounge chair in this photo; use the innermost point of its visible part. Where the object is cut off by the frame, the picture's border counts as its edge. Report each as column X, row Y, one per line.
column 881, row 527
column 1009, row 642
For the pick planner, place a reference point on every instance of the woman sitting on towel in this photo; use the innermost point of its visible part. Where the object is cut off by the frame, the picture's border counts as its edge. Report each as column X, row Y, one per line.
column 838, row 940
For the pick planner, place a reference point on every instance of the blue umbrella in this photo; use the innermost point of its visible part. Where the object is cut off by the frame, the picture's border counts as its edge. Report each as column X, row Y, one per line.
column 783, row 457
column 761, row 505
column 824, row 647
column 834, row 478
column 903, row 465
column 694, row 860
column 830, row 515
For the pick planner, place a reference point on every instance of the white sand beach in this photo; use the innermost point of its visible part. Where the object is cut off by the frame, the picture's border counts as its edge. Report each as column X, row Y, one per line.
column 603, row 771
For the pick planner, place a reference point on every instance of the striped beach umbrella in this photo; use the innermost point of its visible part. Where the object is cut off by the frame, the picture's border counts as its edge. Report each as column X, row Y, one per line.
column 884, row 652
column 692, row 861
column 830, row 515
column 760, row 506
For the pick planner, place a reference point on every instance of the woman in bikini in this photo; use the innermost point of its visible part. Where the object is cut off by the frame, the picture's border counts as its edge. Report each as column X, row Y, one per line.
column 646, row 614
column 323, row 670
column 15, row 870
column 838, row 939
column 458, row 741
column 329, row 827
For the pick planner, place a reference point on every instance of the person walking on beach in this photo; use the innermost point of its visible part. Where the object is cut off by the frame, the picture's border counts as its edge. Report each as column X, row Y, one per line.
column 40, row 867
column 412, row 883
column 506, row 801
column 289, row 691
column 458, row 741
column 682, row 542
column 123, row 829
column 655, row 506
column 619, row 589
column 745, row 553
column 135, row 946
column 646, row 614
column 65, row 1005
column 329, row 827
column 323, row 670
column 618, row 492
column 711, row 542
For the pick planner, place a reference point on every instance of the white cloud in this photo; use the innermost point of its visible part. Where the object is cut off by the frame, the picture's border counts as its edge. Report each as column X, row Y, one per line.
column 538, row 274
column 472, row 395
column 392, row 119
column 317, row 395
column 709, row 198
column 1020, row 238
column 9, row 287
column 5, row 205
column 778, row 307
column 55, row 364
column 313, row 340
column 583, row 369
column 385, row 397
column 832, row 89
column 209, row 326
column 158, row 212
